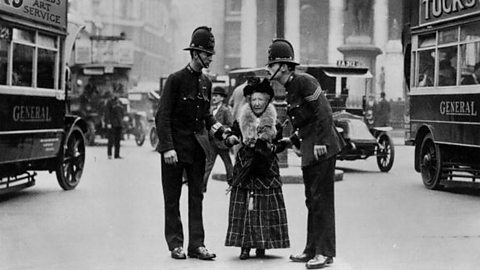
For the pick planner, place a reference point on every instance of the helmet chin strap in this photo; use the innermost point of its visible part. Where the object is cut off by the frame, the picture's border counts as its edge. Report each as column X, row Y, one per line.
column 201, row 60
column 274, row 74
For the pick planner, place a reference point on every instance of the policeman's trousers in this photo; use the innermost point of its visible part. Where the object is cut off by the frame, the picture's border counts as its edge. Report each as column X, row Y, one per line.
column 319, row 193
column 172, row 187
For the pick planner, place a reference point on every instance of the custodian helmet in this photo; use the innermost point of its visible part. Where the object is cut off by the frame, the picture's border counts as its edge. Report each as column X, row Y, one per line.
column 281, row 51
column 202, row 40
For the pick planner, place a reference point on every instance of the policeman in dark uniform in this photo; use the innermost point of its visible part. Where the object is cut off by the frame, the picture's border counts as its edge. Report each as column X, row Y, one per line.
column 318, row 143
column 182, row 121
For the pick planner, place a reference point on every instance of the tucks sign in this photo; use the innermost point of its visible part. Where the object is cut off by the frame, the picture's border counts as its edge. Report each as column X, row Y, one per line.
column 440, row 10
column 50, row 12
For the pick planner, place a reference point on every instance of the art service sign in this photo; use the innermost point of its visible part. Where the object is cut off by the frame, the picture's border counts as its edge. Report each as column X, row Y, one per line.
column 50, row 12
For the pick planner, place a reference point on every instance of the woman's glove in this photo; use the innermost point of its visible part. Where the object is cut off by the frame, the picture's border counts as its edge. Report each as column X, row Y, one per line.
column 231, row 140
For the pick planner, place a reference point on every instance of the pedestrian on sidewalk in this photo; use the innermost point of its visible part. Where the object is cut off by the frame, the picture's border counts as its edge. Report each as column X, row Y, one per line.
column 382, row 115
column 257, row 217
column 311, row 117
column 182, row 121
column 223, row 115
column 113, row 118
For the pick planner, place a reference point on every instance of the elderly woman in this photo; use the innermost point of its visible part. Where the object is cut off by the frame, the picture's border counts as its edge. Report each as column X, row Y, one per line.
column 257, row 217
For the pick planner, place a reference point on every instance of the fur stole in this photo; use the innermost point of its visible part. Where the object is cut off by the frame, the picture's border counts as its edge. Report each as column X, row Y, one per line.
column 253, row 127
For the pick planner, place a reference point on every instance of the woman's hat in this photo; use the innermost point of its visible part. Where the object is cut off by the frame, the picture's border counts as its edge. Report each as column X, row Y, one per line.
column 258, row 86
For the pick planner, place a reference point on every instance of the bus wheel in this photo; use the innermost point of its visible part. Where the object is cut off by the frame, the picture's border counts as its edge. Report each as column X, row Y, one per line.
column 385, row 153
column 153, row 137
column 430, row 163
column 69, row 170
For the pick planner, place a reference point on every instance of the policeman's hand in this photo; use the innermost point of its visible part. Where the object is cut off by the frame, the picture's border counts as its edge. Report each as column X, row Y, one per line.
column 319, row 150
column 297, row 151
column 109, row 126
column 232, row 140
column 170, row 157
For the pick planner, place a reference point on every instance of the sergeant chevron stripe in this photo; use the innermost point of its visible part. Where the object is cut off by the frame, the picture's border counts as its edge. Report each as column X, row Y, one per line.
column 315, row 95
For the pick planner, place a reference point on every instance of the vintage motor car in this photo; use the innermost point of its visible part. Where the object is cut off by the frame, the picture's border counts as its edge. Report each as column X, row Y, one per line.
column 345, row 87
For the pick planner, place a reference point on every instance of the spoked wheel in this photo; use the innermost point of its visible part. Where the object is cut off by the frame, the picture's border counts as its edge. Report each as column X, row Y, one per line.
column 385, row 153
column 153, row 137
column 70, row 169
column 430, row 163
column 140, row 134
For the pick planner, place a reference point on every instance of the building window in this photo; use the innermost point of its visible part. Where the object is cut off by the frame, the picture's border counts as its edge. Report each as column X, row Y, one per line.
column 234, row 7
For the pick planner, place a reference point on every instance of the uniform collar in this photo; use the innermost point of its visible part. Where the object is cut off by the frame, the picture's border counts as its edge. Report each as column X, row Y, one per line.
column 290, row 78
column 192, row 71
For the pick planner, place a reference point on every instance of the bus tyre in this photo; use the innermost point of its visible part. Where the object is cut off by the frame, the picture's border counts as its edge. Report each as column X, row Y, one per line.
column 430, row 163
column 153, row 137
column 385, row 153
column 72, row 160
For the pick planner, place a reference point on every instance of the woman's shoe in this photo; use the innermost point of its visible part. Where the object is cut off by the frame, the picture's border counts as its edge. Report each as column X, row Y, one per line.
column 245, row 253
column 260, row 252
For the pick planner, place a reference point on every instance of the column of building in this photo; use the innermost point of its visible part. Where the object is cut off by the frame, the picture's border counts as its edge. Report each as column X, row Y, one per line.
column 292, row 25
column 380, row 38
column 248, row 33
column 335, row 30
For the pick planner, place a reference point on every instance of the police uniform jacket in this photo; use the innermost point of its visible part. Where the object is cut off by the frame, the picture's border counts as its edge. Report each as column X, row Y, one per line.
column 311, row 117
column 183, row 116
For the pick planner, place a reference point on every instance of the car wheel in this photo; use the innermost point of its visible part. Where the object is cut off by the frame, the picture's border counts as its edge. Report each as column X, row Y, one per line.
column 385, row 153
column 72, row 160
column 430, row 163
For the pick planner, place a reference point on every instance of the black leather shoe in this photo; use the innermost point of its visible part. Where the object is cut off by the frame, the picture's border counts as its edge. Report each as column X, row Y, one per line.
column 244, row 254
column 178, row 253
column 201, row 253
column 260, row 252
column 319, row 261
column 304, row 257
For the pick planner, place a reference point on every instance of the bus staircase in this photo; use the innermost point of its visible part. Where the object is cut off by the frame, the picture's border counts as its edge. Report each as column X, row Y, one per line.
column 460, row 173
column 18, row 182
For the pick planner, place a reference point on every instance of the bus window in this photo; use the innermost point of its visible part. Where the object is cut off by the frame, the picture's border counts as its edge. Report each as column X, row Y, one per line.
column 23, row 51
column 426, row 68
column 447, row 70
column 4, row 45
column 22, row 65
column 470, row 53
column 448, row 36
column 470, row 32
column 46, row 61
column 469, row 57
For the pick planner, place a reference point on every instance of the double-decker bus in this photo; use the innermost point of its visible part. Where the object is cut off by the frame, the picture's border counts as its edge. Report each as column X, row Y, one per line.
column 441, row 41
column 36, row 131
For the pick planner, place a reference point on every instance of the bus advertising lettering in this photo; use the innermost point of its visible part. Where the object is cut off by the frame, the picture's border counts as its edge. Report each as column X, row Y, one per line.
column 459, row 108
column 50, row 12
column 439, row 10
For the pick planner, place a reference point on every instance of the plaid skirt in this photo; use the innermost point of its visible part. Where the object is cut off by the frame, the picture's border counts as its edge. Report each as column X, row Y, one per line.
column 257, row 222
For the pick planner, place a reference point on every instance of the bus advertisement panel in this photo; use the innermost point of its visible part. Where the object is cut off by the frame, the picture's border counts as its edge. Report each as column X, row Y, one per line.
column 49, row 12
